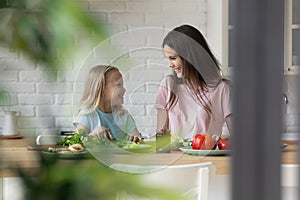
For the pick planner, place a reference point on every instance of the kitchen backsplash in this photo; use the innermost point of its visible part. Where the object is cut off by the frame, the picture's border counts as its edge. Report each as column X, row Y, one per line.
column 46, row 104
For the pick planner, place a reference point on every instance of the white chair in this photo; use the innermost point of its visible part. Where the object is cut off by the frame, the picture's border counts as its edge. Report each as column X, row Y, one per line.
column 290, row 181
column 48, row 139
column 190, row 179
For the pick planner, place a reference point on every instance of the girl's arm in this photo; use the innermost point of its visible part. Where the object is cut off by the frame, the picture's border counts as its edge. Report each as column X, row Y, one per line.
column 100, row 132
column 80, row 126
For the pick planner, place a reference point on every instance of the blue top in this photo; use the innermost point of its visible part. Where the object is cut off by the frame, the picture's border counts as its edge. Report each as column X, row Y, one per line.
column 120, row 125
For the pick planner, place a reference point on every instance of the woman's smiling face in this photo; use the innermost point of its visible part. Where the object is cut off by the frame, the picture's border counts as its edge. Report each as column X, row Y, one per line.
column 175, row 61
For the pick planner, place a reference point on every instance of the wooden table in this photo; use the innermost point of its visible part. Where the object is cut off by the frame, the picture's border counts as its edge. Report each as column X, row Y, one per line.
column 15, row 153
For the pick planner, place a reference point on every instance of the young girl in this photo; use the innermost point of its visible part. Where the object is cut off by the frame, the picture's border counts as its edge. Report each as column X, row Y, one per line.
column 100, row 111
column 196, row 98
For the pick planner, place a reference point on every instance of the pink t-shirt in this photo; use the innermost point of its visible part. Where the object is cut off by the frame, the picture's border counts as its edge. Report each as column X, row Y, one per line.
column 188, row 117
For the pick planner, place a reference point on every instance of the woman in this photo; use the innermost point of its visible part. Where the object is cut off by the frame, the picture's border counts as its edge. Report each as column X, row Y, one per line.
column 196, row 98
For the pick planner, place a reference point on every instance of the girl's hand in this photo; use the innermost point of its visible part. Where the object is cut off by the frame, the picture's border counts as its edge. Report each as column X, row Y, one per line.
column 134, row 138
column 102, row 132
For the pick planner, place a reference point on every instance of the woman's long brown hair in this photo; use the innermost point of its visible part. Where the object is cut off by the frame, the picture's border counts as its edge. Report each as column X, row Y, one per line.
column 191, row 76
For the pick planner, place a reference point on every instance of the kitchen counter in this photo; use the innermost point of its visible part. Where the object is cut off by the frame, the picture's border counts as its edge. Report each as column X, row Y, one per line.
column 15, row 153
column 289, row 154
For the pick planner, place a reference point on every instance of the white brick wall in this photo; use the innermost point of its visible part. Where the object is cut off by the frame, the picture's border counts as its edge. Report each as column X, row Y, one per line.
column 45, row 102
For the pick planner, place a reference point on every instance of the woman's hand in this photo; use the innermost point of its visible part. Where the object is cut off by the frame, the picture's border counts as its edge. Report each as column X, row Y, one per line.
column 102, row 132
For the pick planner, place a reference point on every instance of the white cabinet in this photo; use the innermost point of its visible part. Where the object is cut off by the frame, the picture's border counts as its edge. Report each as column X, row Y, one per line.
column 292, row 37
column 219, row 34
column 217, row 31
column 11, row 189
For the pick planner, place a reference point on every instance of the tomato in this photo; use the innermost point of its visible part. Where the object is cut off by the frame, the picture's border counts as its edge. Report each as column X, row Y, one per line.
column 223, row 144
column 203, row 142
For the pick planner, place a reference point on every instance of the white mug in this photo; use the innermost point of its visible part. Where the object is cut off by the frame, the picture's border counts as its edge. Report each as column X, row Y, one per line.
column 10, row 123
column 48, row 139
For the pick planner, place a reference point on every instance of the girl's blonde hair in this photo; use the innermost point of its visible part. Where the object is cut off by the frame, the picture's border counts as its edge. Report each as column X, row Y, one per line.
column 94, row 87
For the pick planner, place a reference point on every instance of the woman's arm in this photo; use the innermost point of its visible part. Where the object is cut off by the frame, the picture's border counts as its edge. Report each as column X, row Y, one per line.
column 162, row 120
column 228, row 121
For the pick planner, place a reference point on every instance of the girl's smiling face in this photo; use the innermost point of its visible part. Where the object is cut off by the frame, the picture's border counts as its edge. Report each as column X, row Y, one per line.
column 114, row 90
column 175, row 61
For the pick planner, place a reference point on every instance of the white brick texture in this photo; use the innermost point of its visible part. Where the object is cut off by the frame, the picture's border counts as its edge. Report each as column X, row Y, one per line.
column 136, row 29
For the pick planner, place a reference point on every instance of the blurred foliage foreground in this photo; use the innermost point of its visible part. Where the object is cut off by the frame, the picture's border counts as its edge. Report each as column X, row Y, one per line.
column 43, row 31
column 77, row 180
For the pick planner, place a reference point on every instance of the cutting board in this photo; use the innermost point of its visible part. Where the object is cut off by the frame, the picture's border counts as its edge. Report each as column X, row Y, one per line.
column 35, row 147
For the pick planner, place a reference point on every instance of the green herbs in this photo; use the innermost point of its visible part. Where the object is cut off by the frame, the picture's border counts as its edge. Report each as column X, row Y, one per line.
column 88, row 141
column 76, row 138
column 70, row 140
